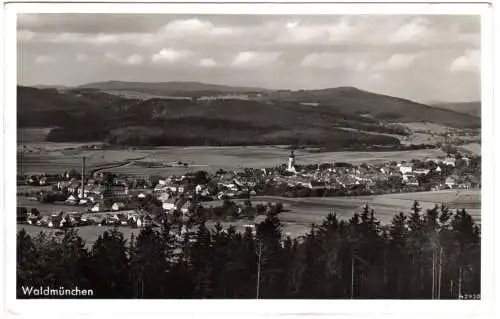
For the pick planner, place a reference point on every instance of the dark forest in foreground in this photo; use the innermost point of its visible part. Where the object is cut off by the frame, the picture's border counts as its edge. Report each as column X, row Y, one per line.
column 420, row 255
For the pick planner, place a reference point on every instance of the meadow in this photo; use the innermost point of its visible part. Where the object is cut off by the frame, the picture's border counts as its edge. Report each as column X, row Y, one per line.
column 208, row 158
column 474, row 148
column 301, row 213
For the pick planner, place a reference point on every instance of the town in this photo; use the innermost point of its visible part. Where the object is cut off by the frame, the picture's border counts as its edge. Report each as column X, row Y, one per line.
column 103, row 198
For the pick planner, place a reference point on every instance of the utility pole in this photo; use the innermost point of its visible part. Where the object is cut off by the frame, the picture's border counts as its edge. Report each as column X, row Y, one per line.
column 433, row 272
column 258, row 269
column 352, row 277
column 439, row 274
column 459, row 282
column 83, row 178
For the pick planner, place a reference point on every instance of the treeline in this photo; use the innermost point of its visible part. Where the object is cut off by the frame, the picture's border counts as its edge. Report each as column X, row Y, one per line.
column 215, row 133
column 211, row 133
column 422, row 255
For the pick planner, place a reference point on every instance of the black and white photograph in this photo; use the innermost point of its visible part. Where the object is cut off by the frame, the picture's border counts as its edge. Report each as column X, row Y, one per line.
column 248, row 156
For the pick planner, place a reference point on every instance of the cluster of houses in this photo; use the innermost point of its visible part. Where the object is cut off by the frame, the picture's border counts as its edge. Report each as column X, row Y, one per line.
column 230, row 96
column 34, row 180
column 71, row 219
column 367, row 175
column 92, row 193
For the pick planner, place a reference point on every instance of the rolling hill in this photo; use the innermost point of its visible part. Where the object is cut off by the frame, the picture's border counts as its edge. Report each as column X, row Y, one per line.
column 346, row 100
column 279, row 118
column 470, row 108
column 383, row 107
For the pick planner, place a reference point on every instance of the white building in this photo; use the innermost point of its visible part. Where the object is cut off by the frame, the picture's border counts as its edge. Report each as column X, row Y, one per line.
column 118, row 206
column 168, row 205
column 449, row 161
column 405, row 169
column 421, row 171
column 450, row 182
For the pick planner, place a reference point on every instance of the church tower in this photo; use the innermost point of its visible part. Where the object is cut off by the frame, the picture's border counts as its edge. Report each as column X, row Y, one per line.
column 291, row 162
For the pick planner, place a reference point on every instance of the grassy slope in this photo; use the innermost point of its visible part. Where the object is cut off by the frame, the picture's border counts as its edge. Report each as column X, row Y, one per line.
column 470, row 108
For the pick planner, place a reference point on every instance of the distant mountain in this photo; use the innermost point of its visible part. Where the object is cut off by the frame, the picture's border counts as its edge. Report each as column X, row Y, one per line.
column 58, row 87
column 307, row 117
column 170, row 88
column 470, row 108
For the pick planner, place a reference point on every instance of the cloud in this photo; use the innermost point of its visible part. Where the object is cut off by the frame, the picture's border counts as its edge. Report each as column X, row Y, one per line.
column 25, row 35
column 82, row 57
column 169, row 55
column 43, row 59
column 110, row 57
column 360, row 31
column 194, row 27
column 297, row 32
column 253, row 58
column 134, row 59
column 208, row 63
column 396, row 62
column 322, row 60
column 376, row 77
column 470, row 61
column 417, row 29
column 334, row 60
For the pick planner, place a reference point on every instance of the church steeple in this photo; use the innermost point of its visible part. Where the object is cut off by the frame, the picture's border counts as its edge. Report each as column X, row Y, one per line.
column 291, row 162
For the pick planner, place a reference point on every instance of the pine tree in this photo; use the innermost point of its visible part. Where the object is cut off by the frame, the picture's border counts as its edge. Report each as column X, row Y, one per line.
column 398, row 259
column 416, row 242
column 26, row 261
column 333, row 243
column 466, row 235
column 110, row 266
column 149, row 265
column 272, row 272
column 74, row 262
column 201, row 262
column 313, row 273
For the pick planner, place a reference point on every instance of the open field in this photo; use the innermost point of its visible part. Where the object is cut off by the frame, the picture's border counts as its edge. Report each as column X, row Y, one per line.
column 58, row 161
column 474, row 148
column 199, row 158
column 300, row 213
column 31, row 188
column 49, row 157
column 426, row 126
column 33, row 140
column 48, row 209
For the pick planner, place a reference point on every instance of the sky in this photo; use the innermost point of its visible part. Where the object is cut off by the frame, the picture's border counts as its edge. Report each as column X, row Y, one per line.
column 423, row 58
